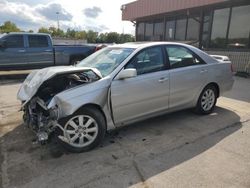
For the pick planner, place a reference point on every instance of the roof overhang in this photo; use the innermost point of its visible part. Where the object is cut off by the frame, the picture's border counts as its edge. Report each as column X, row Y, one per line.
column 143, row 8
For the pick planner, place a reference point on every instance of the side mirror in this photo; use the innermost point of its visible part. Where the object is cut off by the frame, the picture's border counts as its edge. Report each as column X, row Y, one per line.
column 127, row 73
column 2, row 44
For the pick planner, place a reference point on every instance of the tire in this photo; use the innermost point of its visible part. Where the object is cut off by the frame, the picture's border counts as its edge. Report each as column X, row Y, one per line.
column 207, row 100
column 87, row 136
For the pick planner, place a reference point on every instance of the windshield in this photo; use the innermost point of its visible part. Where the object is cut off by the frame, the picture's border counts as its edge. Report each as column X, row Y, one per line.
column 106, row 60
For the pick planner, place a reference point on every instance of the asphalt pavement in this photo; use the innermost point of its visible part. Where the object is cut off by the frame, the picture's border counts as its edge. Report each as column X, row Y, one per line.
column 180, row 149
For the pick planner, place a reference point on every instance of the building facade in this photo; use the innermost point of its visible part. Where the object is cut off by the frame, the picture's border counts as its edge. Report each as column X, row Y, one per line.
column 217, row 26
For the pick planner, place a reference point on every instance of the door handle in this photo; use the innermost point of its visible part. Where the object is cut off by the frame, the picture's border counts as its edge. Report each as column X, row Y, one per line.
column 203, row 70
column 48, row 50
column 21, row 51
column 162, row 80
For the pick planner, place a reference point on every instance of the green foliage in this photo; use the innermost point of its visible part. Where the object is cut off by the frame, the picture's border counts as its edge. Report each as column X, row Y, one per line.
column 126, row 38
column 71, row 33
column 9, row 27
column 90, row 36
column 43, row 30
column 102, row 38
column 114, row 37
column 56, row 32
column 81, row 35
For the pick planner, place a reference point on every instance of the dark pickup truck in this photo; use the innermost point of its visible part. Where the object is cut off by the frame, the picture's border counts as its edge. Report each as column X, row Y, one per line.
column 29, row 51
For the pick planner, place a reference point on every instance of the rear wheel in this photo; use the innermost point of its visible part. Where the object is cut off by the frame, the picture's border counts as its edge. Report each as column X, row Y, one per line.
column 207, row 100
column 83, row 130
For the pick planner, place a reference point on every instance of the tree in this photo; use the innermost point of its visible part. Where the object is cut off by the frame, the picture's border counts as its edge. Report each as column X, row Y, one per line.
column 81, row 35
column 126, row 38
column 112, row 37
column 56, row 32
column 43, row 30
column 91, row 36
column 8, row 26
column 101, row 38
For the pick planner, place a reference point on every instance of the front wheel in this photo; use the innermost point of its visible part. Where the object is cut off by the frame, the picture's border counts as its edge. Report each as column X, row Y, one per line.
column 83, row 130
column 207, row 100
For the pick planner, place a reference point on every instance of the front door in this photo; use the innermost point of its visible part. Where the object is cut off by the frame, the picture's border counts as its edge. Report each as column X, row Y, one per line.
column 144, row 94
column 40, row 52
column 13, row 53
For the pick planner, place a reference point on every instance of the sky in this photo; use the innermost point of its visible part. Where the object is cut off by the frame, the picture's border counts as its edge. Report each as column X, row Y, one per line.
column 97, row 15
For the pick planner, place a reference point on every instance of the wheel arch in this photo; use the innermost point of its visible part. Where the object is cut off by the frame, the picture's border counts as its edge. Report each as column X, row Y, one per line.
column 201, row 89
column 216, row 87
column 93, row 106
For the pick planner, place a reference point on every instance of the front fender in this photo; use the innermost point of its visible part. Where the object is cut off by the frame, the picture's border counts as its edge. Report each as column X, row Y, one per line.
column 67, row 106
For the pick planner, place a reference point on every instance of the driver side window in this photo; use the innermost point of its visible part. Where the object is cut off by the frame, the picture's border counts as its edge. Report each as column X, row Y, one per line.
column 14, row 41
column 147, row 61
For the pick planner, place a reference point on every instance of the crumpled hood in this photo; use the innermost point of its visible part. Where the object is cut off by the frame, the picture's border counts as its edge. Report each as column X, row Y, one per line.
column 36, row 78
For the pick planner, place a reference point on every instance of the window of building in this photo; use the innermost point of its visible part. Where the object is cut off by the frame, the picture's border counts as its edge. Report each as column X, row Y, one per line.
column 159, row 30
column 149, row 31
column 181, row 57
column 38, row 41
column 219, row 28
column 147, row 61
column 170, row 30
column 193, row 28
column 239, row 31
column 140, row 31
column 180, row 34
column 207, row 23
column 14, row 41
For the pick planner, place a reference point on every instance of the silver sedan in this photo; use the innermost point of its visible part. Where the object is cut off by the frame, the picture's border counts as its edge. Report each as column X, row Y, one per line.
column 119, row 85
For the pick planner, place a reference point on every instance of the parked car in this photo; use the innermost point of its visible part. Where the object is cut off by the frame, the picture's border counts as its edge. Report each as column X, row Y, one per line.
column 221, row 58
column 119, row 85
column 29, row 51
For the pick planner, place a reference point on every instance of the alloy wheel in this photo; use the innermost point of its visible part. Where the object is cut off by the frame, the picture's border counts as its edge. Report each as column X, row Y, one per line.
column 81, row 130
column 207, row 100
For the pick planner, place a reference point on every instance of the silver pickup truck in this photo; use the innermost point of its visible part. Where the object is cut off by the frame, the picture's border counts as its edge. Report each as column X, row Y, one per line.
column 29, row 51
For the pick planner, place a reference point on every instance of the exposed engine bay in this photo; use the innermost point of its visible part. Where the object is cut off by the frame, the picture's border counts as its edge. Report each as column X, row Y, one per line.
column 37, row 115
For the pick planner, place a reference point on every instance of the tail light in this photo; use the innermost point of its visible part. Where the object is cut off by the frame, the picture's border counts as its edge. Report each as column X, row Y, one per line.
column 100, row 46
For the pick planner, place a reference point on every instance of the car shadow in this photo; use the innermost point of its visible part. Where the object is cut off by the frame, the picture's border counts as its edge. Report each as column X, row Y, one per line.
column 145, row 149
column 240, row 90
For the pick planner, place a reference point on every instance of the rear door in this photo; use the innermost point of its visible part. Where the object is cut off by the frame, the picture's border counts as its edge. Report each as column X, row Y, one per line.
column 144, row 94
column 188, row 75
column 40, row 51
column 13, row 54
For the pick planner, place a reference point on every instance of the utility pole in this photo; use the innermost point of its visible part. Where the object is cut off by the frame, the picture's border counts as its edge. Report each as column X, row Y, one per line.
column 57, row 16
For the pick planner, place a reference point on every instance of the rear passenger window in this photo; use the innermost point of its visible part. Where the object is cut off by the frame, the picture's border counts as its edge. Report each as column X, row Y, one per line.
column 38, row 41
column 149, row 60
column 14, row 41
column 181, row 57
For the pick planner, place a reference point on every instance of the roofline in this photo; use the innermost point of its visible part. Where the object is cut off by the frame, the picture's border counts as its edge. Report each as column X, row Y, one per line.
column 143, row 8
column 26, row 33
column 147, row 44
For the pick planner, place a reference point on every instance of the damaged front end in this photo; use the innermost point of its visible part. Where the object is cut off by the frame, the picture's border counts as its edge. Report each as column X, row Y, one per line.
column 40, row 119
column 37, row 115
